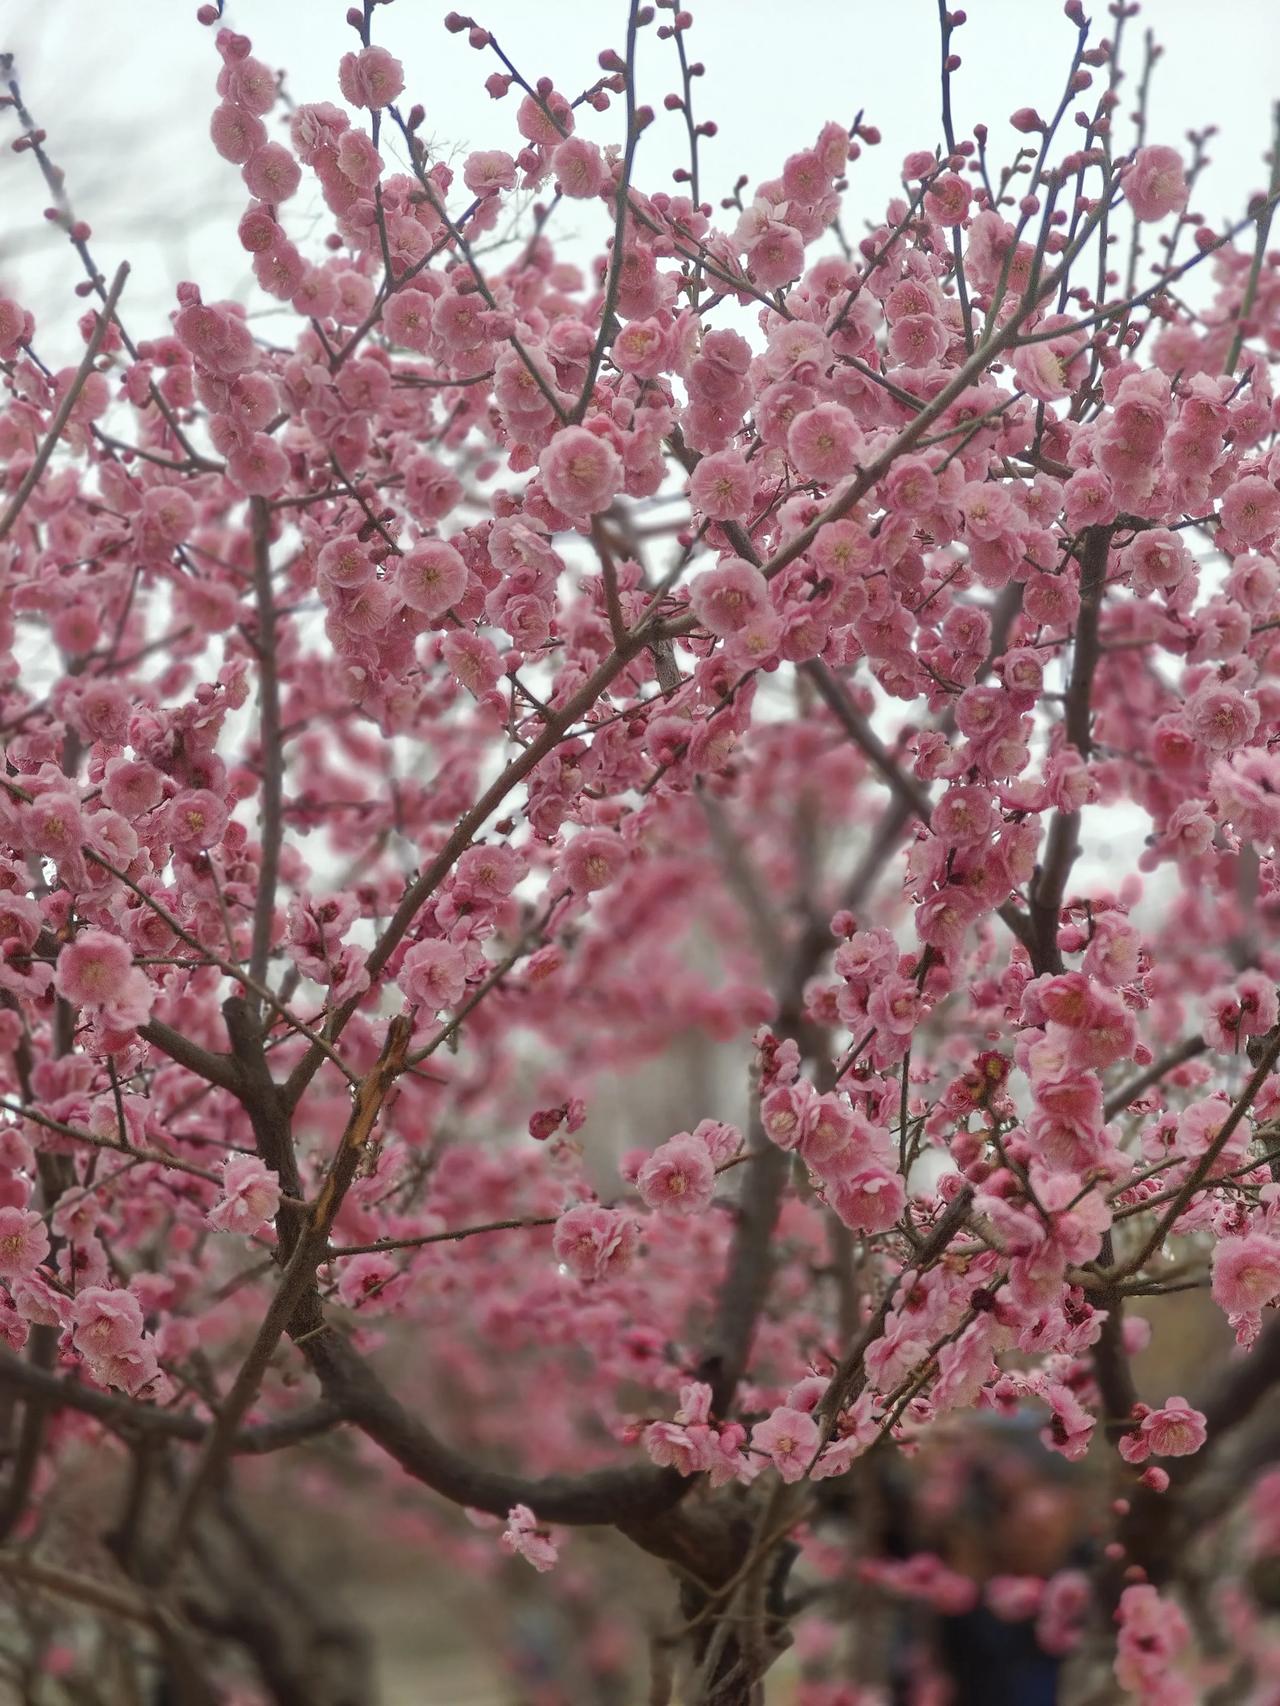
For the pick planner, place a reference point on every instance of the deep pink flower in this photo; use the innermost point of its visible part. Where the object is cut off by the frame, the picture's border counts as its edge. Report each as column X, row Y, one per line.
column 259, row 467
column 372, row 78
column 250, row 1195
column 271, row 173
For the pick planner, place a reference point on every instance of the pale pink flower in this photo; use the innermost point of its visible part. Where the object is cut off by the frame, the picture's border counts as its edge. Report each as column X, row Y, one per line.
column 785, row 1113
column 640, row 348
column 1070, row 1425
column 52, row 826
column 24, row 1242
column 250, row 1195
column 776, row 256
column 524, row 1539
column 1014, row 1598
column 196, row 819
column 486, row 874
column 723, row 1141
column 407, row 318
column 579, row 168
column 1153, row 1633
column 895, row 1005
column 1113, row 954
column 721, row 487
column 1175, row 1430
column 259, row 467
column 947, row 199
column 1050, row 367
column 823, row 443
column 595, row 1242
column 1220, row 718
column 97, row 971
column 1251, row 508
column 473, row 660
column 725, row 599
column 359, row 162
column 672, row 1445
column 343, row 563
column 678, row 1178
column 695, row 1403
column 1246, row 1272
column 105, row 1323
column 1155, row 184
column 136, row 1371
column 592, row 860
column 488, row 171
column 433, row 975
column 581, row 472
column 870, row 1201
column 790, row 1438
column 431, row 578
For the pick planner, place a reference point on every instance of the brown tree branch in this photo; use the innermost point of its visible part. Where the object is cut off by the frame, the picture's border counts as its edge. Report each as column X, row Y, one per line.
column 133, row 1419
column 270, row 740
column 68, row 403
column 1048, row 886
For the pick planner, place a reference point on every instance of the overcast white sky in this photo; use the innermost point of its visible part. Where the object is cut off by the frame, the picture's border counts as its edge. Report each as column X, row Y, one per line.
column 125, row 92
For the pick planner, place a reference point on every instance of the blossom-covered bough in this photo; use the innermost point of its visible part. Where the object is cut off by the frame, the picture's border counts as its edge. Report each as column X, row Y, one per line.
column 428, row 703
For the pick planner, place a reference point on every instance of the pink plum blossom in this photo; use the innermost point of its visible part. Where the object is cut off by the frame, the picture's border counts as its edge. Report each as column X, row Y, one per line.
column 678, row 1178
column 1155, row 183
column 581, row 472
column 371, row 78
column 594, row 1242
column 250, row 1195
column 789, row 1437
column 24, row 1242
column 433, row 975
column 523, row 1538
column 97, row 971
